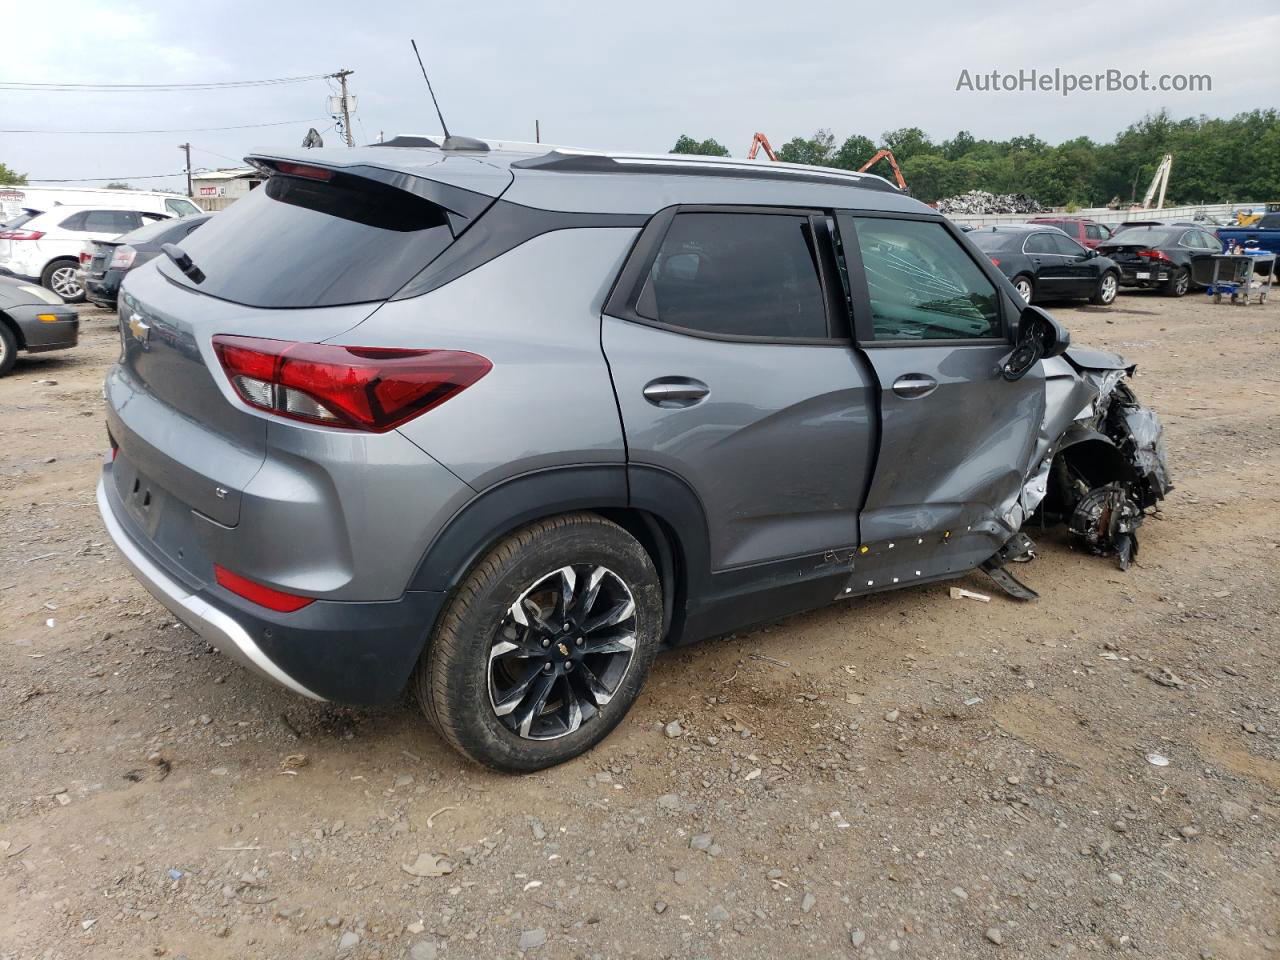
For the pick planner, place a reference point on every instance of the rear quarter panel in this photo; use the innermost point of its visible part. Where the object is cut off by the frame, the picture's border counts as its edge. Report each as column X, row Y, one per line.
column 534, row 312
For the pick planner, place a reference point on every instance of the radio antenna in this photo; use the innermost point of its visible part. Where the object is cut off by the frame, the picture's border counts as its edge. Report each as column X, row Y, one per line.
column 434, row 101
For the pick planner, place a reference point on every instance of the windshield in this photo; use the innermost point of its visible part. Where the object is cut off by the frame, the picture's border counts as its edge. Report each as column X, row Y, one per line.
column 297, row 242
column 19, row 220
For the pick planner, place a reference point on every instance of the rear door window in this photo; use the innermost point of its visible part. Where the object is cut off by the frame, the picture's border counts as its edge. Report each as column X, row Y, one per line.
column 737, row 275
column 1066, row 246
column 113, row 222
column 1093, row 232
column 297, row 242
column 1039, row 243
column 922, row 284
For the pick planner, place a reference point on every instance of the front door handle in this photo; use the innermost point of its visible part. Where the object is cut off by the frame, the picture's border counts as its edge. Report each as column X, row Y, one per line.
column 672, row 392
column 912, row 386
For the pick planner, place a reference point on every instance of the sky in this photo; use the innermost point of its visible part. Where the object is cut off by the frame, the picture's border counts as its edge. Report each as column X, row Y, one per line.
column 617, row 76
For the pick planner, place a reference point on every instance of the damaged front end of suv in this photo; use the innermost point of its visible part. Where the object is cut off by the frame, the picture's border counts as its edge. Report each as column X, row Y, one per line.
column 1101, row 464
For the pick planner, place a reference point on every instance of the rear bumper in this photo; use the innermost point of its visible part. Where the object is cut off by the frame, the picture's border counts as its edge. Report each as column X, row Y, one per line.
column 1129, row 276
column 40, row 335
column 359, row 653
column 102, row 290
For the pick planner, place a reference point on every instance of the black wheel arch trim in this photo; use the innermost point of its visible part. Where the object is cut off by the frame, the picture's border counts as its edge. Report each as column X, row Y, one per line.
column 666, row 514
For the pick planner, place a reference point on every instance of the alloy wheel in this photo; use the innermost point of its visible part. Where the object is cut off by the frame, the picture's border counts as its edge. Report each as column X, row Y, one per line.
column 1024, row 289
column 1108, row 288
column 64, row 283
column 562, row 651
column 1182, row 283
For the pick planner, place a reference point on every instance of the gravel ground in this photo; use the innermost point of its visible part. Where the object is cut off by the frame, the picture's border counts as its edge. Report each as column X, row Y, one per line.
column 904, row 775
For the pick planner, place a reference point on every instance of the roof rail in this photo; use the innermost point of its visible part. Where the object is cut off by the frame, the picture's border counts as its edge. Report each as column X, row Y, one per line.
column 569, row 160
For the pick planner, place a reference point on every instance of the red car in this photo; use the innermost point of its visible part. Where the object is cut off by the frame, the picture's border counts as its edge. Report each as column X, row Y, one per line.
column 1088, row 233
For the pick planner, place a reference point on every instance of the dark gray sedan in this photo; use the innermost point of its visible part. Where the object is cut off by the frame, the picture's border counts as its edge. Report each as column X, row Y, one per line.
column 105, row 262
column 33, row 319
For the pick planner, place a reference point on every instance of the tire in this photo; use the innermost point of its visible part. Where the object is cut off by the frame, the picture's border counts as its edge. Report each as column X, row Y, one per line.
column 58, row 276
column 1108, row 286
column 8, row 349
column 470, row 677
column 1177, row 285
column 1025, row 286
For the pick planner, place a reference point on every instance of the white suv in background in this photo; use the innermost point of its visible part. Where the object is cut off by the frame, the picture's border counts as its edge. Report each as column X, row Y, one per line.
column 45, row 247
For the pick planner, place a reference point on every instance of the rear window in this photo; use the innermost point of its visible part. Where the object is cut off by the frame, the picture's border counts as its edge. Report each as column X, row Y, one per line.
column 159, row 231
column 1154, row 236
column 988, row 241
column 308, row 243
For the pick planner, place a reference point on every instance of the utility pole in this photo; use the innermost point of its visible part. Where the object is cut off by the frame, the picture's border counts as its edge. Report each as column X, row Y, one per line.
column 341, row 77
column 537, row 131
column 186, row 147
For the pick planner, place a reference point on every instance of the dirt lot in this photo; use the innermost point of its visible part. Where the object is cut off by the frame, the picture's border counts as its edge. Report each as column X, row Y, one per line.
column 908, row 774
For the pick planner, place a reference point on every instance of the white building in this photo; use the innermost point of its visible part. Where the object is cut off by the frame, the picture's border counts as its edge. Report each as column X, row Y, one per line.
column 217, row 189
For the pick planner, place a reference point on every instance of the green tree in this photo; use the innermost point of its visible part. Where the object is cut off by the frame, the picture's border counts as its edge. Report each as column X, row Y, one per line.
column 117, row 185
column 854, row 152
column 816, row 151
column 705, row 148
column 11, row 177
column 907, row 143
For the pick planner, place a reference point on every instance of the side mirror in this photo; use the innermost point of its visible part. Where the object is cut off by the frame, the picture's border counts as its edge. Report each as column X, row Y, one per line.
column 1038, row 336
column 1090, row 254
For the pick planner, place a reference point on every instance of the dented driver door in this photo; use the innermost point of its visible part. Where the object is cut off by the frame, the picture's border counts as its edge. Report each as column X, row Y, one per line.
column 955, row 438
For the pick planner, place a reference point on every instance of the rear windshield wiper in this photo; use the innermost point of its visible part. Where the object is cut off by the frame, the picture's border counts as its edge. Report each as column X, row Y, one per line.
column 183, row 262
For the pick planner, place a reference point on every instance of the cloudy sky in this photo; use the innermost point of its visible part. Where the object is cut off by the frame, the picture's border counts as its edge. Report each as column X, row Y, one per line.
column 596, row 73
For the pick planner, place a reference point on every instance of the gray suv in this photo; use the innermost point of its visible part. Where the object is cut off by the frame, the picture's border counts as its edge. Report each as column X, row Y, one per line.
column 495, row 423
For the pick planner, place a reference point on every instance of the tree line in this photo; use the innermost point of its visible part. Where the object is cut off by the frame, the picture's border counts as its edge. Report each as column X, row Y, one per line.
column 1215, row 160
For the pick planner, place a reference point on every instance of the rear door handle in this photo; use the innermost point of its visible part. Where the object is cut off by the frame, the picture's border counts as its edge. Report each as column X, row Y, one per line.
column 672, row 392
column 912, row 386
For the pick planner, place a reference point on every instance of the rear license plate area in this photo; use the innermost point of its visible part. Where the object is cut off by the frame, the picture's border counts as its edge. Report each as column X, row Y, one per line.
column 1143, row 275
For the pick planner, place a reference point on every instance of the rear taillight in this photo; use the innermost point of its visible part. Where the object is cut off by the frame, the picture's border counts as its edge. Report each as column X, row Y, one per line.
column 122, row 258
column 21, row 234
column 995, row 260
column 305, row 171
column 276, row 600
column 360, row 388
column 85, row 257
column 1154, row 255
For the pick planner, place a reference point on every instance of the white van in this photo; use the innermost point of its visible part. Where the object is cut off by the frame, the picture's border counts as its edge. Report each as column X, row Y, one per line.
column 15, row 201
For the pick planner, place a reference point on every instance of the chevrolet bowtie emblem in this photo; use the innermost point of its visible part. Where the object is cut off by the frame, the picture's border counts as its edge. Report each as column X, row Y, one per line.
column 139, row 327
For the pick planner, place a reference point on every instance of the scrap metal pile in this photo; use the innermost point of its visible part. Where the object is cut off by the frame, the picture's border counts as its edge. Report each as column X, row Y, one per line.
column 979, row 202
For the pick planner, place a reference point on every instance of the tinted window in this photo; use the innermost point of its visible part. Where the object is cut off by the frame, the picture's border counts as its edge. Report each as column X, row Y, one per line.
column 1207, row 240
column 113, row 222
column 161, row 231
column 737, row 274
column 73, row 222
column 307, row 243
column 182, row 208
column 1270, row 221
column 923, row 286
column 989, row 240
column 1152, row 236
column 1065, row 245
column 1039, row 243
column 1093, row 232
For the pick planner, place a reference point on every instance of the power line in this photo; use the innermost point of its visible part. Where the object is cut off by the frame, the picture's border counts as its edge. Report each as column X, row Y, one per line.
column 149, row 176
column 242, row 126
column 150, row 87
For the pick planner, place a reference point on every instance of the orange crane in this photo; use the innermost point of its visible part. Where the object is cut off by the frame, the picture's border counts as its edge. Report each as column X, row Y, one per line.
column 758, row 141
column 893, row 162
